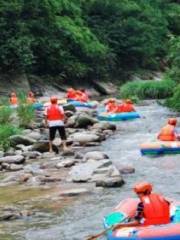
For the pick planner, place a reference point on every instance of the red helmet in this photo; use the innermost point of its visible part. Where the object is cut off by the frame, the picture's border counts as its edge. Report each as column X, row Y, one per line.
column 172, row 121
column 143, row 187
column 53, row 99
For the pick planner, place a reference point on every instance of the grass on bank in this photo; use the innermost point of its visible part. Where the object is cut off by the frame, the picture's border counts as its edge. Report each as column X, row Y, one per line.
column 147, row 89
column 174, row 101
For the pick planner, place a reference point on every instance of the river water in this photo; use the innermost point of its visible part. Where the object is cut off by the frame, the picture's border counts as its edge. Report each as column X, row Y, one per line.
column 84, row 216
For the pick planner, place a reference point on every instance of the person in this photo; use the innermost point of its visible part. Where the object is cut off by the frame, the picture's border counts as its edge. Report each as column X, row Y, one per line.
column 126, row 106
column 111, row 106
column 54, row 119
column 168, row 132
column 153, row 208
column 13, row 99
column 30, row 98
column 71, row 93
column 84, row 95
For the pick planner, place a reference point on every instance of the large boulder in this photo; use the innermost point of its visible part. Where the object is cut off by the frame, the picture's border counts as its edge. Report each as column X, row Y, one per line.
column 84, row 120
column 104, row 126
column 84, row 137
column 19, row 139
column 69, row 107
column 17, row 159
column 105, row 88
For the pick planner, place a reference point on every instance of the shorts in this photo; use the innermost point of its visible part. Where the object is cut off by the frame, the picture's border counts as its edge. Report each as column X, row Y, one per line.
column 52, row 132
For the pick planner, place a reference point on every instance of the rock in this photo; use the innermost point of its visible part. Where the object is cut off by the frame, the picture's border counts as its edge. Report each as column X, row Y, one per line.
column 95, row 155
column 22, row 147
column 49, row 179
column 127, row 170
column 78, row 155
column 71, row 121
column 25, row 177
column 5, row 166
column 69, row 107
column 17, row 159
column 84, row 171
column 69, row 113
column 84, row 137
column 66, row 163
column 8, row 215
column 84, row 120
column 15, row 167
column 19, row 139
column 105, row 88
column 67, row 153
column 32, row 155
column 34, row 181
column 34, row 135
column 104, row 126
column 74, row 192
column 110, row 182
column 48, row 155
column 43, row 146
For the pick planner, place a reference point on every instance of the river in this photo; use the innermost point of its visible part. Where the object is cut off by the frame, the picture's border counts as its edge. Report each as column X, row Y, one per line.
column 84, row 215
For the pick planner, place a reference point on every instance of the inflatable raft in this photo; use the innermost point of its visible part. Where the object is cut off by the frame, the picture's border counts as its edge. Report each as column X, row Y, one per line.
column 104, row 116
column 157, row 148
column 89, row 104
column 127, row 208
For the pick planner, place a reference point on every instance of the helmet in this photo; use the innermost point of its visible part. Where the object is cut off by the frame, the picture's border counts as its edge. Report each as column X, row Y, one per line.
column 172, row 121
column 128, row 101
column 143, row 187
column 53, row 99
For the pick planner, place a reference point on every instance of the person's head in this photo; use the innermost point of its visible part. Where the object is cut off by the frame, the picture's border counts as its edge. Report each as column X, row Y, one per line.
column 70, row 90
column 30, row 94
column 111, row 100
column 128, row 101
column 54, row 100
column 172, row 121
column 143, row 188
column 13, row 94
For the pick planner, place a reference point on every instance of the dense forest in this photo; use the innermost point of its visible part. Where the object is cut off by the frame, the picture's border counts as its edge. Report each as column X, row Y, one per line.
column 94, row 39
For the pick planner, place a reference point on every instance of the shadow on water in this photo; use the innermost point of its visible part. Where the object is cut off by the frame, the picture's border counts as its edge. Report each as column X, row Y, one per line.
column 84, row 216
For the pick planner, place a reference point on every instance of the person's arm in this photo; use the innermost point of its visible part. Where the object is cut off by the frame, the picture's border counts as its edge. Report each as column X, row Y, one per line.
column 45, row 118
column 130, row 224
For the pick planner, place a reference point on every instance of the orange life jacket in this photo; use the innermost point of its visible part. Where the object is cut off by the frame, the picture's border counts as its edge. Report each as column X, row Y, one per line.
column 54, row 113
column 13, row 100
column 71, row 95
column 167, row 133
column 31, row 100
column 126, row 107
column 156, row 209
column 112, row 108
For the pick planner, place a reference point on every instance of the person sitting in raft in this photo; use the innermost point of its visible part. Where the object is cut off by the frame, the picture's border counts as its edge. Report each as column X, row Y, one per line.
column 153, row 208
column 126, row 106
column 168, row 132
column 71, row 93
column 84, row 95
column 111, row 106
column 81, row 96
column 54, row 120
column 30, row 98
column 13, row 100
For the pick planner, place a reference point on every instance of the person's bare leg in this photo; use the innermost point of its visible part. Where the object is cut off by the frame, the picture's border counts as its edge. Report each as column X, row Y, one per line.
column 50, row 147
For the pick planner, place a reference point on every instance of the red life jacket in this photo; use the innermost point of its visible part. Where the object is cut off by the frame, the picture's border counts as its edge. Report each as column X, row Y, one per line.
column 13, row 100
column 126, row 107
column 167, row 133
column 156, row 209
column 54, row 113
column 112, row 108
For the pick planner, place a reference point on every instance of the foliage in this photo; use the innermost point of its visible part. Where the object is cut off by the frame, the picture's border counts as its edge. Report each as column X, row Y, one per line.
column 7, row 130
column 26, row 115
column 148, row 89
column 174, row 102
column 5, row 115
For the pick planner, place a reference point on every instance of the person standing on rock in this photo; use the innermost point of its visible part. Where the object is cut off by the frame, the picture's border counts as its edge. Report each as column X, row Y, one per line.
column 54, row 119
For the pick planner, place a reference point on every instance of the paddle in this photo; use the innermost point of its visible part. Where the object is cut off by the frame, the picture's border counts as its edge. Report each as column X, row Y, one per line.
column 94, row 237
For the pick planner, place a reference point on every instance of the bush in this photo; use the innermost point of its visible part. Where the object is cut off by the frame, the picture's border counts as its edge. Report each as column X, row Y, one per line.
column 174, row 102
column 5, row 115
column 26, row 115
column 6, row 131
column 147, row 89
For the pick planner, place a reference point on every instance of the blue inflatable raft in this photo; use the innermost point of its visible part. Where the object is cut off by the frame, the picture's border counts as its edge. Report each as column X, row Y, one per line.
column 104, row 116
column 89, row 104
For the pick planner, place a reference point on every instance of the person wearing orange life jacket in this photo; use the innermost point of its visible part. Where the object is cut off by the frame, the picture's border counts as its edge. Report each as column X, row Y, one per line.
column 126, row 106
column 54, row 119
column 84, row 95
column 111, row 106
column 71, row 93
column 153, row 209
column 168, row 133
column 13, row 99
column 30, row 98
